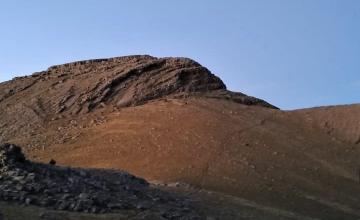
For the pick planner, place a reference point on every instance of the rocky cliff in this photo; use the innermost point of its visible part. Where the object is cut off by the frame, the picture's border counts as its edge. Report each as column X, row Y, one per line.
column 82, row 86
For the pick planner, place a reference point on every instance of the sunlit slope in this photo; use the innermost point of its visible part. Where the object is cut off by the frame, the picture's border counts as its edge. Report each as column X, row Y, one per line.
column 265, row 155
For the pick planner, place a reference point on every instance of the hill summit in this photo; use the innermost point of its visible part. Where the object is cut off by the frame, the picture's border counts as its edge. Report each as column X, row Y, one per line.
column 82, row 86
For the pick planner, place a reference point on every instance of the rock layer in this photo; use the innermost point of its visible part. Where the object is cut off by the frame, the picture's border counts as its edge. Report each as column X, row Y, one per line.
column 124, row 81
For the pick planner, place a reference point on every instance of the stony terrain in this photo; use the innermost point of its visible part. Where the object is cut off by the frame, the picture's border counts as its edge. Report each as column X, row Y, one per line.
column 171, row 120
column 81, row 190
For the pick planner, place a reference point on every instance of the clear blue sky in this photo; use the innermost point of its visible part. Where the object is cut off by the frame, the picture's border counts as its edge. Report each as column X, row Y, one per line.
column 292, row 53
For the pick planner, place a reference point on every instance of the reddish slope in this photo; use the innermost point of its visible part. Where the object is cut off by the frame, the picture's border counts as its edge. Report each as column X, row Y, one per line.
column 340, row 122
column 268, row 156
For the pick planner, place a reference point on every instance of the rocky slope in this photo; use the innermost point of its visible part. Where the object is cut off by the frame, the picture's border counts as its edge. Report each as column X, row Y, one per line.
column 81, row 190
column 171, row 120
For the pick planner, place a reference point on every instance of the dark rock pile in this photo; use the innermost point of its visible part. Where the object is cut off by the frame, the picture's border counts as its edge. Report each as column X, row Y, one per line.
column 82, row 190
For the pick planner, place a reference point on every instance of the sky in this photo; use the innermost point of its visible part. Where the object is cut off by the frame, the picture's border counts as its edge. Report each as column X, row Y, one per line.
column 292, row 53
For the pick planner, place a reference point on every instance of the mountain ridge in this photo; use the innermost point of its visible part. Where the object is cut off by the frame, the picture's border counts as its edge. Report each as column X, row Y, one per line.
column 124, row 81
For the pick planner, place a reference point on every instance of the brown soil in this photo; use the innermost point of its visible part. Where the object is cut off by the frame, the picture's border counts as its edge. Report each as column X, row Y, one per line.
column 303, row 161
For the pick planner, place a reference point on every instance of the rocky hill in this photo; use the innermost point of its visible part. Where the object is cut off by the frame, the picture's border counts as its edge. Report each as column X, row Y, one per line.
column 122, row 81
column 81, row 87
column 170, row 120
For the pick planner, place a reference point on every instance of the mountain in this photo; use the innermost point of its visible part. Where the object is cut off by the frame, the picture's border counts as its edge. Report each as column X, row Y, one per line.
column 171, row 120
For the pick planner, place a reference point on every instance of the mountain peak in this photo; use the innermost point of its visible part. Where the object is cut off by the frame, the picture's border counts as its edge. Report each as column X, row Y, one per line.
column 83, row 86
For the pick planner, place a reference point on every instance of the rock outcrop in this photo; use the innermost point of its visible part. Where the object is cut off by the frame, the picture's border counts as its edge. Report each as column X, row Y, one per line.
column 69, row 90
column 124, row 81
column 82, row 190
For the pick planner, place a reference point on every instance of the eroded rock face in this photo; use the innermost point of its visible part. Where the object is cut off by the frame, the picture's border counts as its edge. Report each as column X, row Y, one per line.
column 28, row 103
column 124, row 81
column 82, row 190
column 135, row 80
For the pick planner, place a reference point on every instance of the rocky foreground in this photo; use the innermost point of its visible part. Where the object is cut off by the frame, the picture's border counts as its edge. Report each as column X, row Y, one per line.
column 83, row 190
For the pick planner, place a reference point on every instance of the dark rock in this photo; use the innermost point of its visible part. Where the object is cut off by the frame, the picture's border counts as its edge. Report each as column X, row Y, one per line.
column 10, row 155
column 94, row 209
column 84, row 196
column 28, row 201
column 52, row 162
